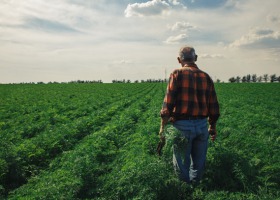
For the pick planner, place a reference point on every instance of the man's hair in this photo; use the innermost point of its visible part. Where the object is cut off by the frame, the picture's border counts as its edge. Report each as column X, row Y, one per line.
column 187, row 54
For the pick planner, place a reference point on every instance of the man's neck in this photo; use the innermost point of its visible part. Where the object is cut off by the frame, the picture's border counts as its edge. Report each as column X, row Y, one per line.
column 189, row 65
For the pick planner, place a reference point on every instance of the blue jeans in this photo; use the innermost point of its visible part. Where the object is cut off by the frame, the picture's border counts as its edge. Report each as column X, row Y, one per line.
column 189, row 150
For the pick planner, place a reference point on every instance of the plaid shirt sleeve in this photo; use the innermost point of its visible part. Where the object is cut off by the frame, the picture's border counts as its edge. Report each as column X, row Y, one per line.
column 170, row 97
column 213, row 106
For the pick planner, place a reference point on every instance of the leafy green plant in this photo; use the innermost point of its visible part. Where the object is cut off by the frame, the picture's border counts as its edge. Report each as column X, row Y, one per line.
column 76, row 141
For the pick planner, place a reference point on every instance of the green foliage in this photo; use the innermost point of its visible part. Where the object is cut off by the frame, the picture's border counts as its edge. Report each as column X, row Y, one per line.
column 85, row 141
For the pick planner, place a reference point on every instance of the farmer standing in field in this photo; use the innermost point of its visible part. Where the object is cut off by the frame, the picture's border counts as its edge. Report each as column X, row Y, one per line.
column 190, row 102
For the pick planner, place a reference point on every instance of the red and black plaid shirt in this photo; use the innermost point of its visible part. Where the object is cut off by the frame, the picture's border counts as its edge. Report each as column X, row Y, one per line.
column 190, row 94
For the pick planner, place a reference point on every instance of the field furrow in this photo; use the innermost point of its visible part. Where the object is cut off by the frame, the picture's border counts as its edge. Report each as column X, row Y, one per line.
column 91, row 158
column 98, row 141
column 30, row 155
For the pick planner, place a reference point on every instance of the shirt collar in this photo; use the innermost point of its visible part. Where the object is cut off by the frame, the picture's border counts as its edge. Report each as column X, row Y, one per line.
column 192, row 65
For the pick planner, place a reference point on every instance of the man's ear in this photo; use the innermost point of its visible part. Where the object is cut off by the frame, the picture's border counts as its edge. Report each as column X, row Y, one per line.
column 179, row 60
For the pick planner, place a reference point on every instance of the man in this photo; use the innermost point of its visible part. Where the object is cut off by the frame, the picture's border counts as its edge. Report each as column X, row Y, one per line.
column 189, row 101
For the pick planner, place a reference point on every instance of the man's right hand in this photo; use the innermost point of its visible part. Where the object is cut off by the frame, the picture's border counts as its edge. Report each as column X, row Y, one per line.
column 164, row 121
column 161, row 136
column 213, row 133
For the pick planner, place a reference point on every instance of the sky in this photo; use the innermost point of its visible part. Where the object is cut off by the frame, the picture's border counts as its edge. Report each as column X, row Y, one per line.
column 68, row 40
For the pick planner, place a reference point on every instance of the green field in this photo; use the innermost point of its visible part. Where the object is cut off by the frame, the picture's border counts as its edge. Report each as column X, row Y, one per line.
column 97, row 141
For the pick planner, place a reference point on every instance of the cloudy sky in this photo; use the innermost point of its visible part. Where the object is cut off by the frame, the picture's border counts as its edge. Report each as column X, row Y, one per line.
column 64, row 40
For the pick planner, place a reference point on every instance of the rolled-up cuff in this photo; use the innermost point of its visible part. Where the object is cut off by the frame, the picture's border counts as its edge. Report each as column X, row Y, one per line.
column 164, row 114
column 213, row 119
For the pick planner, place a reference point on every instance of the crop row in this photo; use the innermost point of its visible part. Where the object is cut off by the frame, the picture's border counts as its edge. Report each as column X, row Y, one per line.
column 80, row 172
column 113, row 154
column 24, row 157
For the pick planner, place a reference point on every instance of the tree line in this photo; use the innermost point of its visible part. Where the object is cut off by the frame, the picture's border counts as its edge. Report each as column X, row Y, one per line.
column 55, row 82
column 99, row 81
column 238, row 79
column 141, row 81
column 254, row 78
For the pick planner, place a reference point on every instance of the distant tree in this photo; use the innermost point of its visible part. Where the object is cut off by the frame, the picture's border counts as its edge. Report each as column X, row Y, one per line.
column 265, row 77
column 254, row 78
column 136, row 81
column 218, row 81
column 238, row 79
column 244, row 79
column 273, row 78
column 278, row 79
column 248, row 78
column 128, row 81
column 117, row 81
column 259, row 79
column 232, row 80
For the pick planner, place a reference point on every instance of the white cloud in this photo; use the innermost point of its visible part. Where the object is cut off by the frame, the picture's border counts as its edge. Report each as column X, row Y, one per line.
column 182, row 26
column 150, row 8
column 233, row 3
column 182, row 29
column 24, row 14
column 259, row 37
column 175, row 2
column 177, row 39
column 206, row 55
